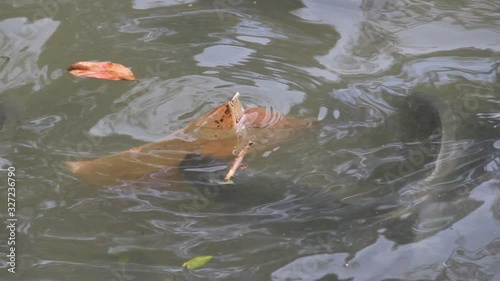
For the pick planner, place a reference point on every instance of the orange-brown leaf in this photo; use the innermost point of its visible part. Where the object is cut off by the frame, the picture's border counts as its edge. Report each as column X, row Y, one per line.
column 218, row 123
column 101, row 70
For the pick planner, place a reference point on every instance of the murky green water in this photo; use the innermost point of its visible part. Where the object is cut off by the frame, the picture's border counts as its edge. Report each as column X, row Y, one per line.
column 349, row 200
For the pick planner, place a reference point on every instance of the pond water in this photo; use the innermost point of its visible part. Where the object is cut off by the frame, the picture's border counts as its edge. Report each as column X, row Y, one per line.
column 385, row 188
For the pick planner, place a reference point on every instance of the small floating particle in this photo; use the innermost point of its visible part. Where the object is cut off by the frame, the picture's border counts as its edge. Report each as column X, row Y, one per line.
column 135, row 149
column 336, row 114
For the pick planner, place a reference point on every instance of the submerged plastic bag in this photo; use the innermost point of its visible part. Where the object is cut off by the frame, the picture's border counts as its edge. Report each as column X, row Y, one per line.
column 220, row 133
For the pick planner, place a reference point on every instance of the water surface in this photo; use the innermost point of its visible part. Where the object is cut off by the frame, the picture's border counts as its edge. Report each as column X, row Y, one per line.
column 337, row 203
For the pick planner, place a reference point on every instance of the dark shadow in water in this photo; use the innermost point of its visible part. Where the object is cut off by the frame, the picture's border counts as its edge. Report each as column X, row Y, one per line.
column 435, row 201
column 10, row 119
column 249, row 191
column 375, row 201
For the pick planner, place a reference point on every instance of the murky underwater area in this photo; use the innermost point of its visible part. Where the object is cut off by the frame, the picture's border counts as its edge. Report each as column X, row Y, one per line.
column 398, row 182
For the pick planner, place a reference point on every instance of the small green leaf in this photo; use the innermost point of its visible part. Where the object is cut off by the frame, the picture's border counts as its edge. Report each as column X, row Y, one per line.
column 123, row 259
column 197, row 262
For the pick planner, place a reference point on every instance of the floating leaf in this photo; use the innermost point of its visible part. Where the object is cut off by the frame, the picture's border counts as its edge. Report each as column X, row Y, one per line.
column 197, row 262
column 220, row 122
column 219, row 133
column 101, row 70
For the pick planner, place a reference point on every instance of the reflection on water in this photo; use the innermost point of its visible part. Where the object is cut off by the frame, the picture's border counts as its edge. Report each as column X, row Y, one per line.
column 362, row 197
column 22, row 43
